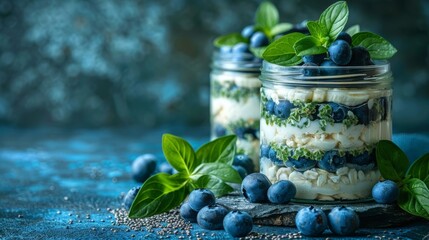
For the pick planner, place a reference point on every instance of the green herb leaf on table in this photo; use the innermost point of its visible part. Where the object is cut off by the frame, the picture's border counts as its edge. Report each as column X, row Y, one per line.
column 179, row 153
column 229, row 40
column 220, row 150
column 414, row 198
column 216, row 185
column 378, row 47
column 220, row 170
column 391, row 160
column 280, row 28
column 334, row 18
column 159, row 194
column 420, row 169
column 353, row 30
column 309, row 46
column 267, row 16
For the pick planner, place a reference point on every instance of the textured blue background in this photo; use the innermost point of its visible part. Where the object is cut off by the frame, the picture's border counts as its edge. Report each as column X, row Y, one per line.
column 103, row 63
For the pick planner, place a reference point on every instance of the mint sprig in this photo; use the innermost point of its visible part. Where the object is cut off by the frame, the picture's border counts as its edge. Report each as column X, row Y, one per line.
column 322, row 33
column 209, row 167
column 413, row 181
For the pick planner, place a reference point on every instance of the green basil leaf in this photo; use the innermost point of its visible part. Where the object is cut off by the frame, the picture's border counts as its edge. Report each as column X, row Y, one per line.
column 220, row 170
column 216, row 185
column 229, row 40
column 420, row 169
column 280, row 28
column 414, row 198
column 179, row 153
column 281, row 51
column 267, row 16
column 391, row 160
column 220, row 150
column 353, row 30
column 160, row 193
column 258, row 52
column 377, row 46
column 309, row 46
column 318, row 31
column 334, row 18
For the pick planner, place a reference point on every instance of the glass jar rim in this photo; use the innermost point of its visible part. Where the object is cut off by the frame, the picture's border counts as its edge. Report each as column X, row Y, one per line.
column 244, row 62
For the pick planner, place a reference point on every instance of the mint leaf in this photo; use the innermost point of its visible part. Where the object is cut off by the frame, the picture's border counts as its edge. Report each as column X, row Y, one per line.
column 258, row 52
column 378, row 47
column 281, row 51
column 309, row 46
column 353, row 30
column 267, row 16
column 179, row 153
column 420, row 169
column 318, row 31
column 229, row 40
column 391, row 160
column 280, row 28
column 334, row 18
column 159, row 194
column 414, row 197
column 220, row 150
column 220, row 170
column 217, row 186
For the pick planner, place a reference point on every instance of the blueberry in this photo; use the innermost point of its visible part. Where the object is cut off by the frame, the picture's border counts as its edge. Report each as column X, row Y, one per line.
column 283, row 109
column 265, row 150
column 346, row 37
column 310, row 69
column 211, row 217
column 272, row 155
column 165, row 167
column 331, row 161
column 362, row 159
column 240, row 170
column 248, row 31
column 244, row 161
column 258, row 39
column 240, row 48
column 338, row 113
column 270, row 105
column 281, row 192
column 254, row 187
column 251, row 132
column 225, row 50
column 316, row 59
column 131, row 195
column 238, row 224
column 301, row 164
column 360, row 57
column 329, row 68
column 219, row 130
column 340, row 52
column 385, row 192
column 240, row 132
column 187, row 213
column 362, row 113
column 200, row 198
column 343, row 221
column 311, row 221
column 143, row 167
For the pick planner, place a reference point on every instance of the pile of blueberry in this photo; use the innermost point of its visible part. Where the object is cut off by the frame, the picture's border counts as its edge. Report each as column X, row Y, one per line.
column 257, row 188
column 339, row 112
column 331, row 160
column 340, row 53
column 243, row 164
column 202, row 208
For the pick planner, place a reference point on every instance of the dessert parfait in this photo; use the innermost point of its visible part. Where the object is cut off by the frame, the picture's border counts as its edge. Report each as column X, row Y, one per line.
column 324, row 110
column 235, row 86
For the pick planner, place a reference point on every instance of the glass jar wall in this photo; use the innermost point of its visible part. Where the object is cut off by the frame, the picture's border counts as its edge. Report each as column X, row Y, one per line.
column 235, row 101
column 320, row 132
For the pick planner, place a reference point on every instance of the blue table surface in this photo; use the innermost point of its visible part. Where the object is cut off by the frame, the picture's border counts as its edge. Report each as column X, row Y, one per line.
column 59, row 184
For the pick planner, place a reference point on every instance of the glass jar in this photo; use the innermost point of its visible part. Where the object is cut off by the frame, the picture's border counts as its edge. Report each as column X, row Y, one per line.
column 320, row 131
column 234, row 101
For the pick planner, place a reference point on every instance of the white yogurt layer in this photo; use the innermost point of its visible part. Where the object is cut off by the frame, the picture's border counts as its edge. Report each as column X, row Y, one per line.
column 241, row 80
column 335, row 136
column 318, row 184
column 226, row 110
column 348, row 97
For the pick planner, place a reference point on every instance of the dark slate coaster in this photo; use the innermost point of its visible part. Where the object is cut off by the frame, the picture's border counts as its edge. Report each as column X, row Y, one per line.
column 371, row 214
